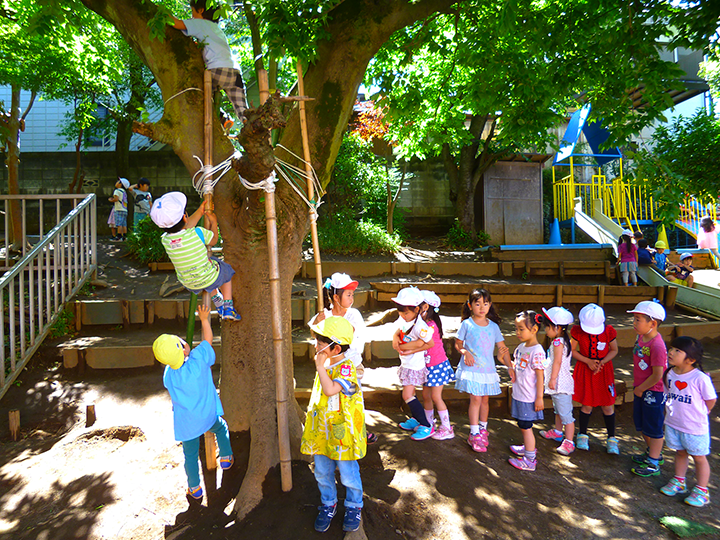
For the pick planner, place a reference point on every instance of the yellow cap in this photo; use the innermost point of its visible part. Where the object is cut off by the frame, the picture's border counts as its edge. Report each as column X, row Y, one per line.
column 169, row 350
column 660, row 244
column 337, row 329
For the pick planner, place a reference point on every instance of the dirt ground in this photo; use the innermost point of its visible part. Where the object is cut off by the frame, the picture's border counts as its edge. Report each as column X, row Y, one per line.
column 123, row 477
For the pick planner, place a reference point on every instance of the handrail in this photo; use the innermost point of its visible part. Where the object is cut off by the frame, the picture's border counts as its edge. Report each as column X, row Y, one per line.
column 34, row 292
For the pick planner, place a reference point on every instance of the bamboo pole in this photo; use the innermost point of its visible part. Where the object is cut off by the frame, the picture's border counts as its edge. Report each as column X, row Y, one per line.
column 208, row 133
column 14, row 422
column 210, row 451
column 281, row 391
column 308, row 171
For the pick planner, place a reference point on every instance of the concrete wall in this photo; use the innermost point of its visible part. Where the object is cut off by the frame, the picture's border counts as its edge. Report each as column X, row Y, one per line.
column 425, row 198
column 513, row 203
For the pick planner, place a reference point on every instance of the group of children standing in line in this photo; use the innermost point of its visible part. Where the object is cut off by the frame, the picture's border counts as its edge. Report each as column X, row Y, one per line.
column 119, row 212
column 671, row 404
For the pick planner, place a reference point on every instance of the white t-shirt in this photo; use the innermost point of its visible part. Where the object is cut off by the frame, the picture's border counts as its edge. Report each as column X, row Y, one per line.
column 565, row 383
column 216, row 51
column 353, row 316
column 525, row 361
column 685, row 401
column 419, row 330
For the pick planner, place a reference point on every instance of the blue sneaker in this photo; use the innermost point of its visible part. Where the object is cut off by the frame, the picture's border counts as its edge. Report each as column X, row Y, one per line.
column 409, row 425
column 226, row 462
column 422, row 433
column 324, row 518
column 351, row 522
column 229, row 314
column 196, row 492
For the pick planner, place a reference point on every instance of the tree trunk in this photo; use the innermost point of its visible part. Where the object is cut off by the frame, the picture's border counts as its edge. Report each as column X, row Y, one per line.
column 74, row 186
column 13, row 165
column 122, row 146
column 357, row 29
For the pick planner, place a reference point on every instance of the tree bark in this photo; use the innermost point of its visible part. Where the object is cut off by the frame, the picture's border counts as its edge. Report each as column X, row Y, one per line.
column 357, row 29
column 13, row 165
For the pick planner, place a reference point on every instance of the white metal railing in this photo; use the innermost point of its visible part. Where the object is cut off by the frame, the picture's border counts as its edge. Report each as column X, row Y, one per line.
column 34, row 291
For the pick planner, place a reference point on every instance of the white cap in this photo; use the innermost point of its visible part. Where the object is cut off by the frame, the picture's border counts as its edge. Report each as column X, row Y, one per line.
column 125, row 183
column 409, row 296
column 340, row 281
column 685, row 256
column 559, row 316
column 168, row 209
column 592, row 319
column 627, row 232
column 431, row 298
column 650, row 308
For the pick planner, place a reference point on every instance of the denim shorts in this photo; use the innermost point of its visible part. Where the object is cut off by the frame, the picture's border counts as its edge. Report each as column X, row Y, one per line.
column 225, row 275
column 563, row 405
column 695, row 445
column 649, row 413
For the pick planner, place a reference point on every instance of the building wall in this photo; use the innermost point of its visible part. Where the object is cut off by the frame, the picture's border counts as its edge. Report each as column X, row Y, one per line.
column 425, row 199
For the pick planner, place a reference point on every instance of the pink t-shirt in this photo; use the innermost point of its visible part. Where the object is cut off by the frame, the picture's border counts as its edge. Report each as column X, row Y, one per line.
column 707, row 240
column 625, row 254
column 685, row 404
column 525, row 361
column 645, row 356
column 436, row 354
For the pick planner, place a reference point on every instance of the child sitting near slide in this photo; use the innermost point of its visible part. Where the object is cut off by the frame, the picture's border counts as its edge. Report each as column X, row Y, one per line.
column 186, row 245
column 681, row 273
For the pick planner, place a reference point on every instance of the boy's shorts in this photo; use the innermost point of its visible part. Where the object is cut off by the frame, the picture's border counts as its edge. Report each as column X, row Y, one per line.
column 649, row 414
column 226, row 273
column 695, row 445
column 563, row 405
column 120, row 219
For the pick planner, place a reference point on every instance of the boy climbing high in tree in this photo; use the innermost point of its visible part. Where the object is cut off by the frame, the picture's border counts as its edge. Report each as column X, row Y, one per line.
column 216, row 53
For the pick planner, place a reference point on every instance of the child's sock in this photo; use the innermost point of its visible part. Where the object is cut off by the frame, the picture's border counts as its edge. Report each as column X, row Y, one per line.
column 531, row 456
column 444, row 418
column 227, row 302
column 483, row 425
column 703, row 489
column 584, row 422
column 474, row 430
column 680, row 479
column 430, row 415
column 653, row 461
column 610, row 424
column 217, row 299
column 418, row 411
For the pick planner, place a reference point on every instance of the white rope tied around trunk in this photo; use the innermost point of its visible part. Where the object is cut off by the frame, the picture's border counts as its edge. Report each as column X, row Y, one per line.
column 207, row 176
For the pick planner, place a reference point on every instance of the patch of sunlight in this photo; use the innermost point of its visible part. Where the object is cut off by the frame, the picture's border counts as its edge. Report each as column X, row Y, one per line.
column 6, row 526
column 495, row 500
column 568, row 514
column 87, row 341
column 489, row 469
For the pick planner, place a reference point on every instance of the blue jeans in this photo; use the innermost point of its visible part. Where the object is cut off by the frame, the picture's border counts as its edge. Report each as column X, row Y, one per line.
column 191, row 449
column 137, row 216
column 349, row 476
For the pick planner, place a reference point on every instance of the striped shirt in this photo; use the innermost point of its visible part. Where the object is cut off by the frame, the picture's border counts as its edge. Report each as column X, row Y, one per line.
column 188, row 254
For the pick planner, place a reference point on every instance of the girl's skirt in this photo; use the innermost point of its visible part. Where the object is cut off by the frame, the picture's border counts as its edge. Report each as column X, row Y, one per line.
column 412, row 377
column 594, row 390
column 477, row 384
column 524, row 411
column 111, row 218
column 440, row 374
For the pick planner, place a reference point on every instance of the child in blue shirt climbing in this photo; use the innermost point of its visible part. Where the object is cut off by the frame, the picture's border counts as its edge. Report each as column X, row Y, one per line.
column 216, row 53
column 196, row 404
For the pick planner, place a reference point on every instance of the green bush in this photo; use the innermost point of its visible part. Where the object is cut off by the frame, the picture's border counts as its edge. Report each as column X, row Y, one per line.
column 344, row 235
column 358, row 185
column 144, row 244
column 458, row 239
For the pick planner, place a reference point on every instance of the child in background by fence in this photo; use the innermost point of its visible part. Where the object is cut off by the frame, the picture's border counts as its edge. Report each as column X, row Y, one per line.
column 690, row 397
column 594, row 347
column 143, row 200
column 559, row 383
column 649, row 363
column 627, row 257
column 440, row 372
column 660, row 256
column 118, row 215
column 186, row 245
column 411, row 340
column 527, row 391
column 195, row 402
column 477, row 375
column 707, row 236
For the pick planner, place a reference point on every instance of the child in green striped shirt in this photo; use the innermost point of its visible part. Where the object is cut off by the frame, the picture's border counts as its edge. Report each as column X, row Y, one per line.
column 186, row 245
